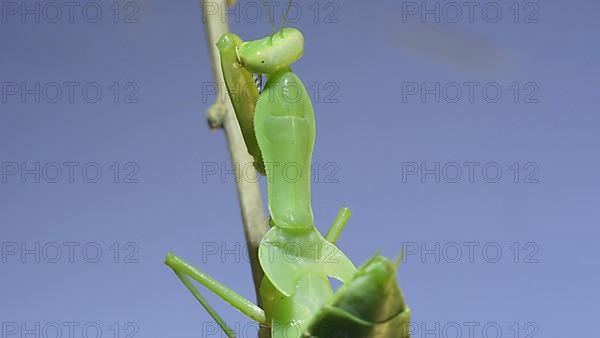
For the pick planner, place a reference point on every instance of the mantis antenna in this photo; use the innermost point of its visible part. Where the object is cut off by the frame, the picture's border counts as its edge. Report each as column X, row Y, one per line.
column 287, row 10
column 270, row 17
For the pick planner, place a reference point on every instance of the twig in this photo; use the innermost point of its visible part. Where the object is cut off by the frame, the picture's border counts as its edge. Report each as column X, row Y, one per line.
column 221, row 115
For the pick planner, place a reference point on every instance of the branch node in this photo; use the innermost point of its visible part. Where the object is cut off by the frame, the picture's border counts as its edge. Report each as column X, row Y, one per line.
column 215, row 115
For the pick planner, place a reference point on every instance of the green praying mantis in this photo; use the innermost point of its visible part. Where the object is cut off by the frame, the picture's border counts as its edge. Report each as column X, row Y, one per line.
column 297, row 296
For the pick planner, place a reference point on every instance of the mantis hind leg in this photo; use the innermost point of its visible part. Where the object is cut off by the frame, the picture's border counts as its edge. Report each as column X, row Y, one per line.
column 188, row 284
column 183, row 269
column 338, row 225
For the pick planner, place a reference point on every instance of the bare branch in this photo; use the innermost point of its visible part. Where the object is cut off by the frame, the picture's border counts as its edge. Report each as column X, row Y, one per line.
column 221, row 114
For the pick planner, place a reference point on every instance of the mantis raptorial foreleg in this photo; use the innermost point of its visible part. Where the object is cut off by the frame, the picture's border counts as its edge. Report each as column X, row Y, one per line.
column 245, row 306
column 338, row 225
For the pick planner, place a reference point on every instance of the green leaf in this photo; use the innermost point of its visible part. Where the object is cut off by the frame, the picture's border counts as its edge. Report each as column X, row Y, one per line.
column 370, row 305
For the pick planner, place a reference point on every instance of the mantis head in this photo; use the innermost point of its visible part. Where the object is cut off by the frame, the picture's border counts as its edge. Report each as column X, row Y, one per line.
column 272, row 53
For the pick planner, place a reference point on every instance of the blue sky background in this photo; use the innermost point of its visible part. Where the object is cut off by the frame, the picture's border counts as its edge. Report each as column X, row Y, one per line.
column 361, row 60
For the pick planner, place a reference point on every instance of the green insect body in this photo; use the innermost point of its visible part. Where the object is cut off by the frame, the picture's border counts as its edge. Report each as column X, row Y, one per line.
column 285, row 129
column 297, row 260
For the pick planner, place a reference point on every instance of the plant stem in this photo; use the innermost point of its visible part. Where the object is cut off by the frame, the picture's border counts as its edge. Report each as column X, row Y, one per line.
column 221, row 115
